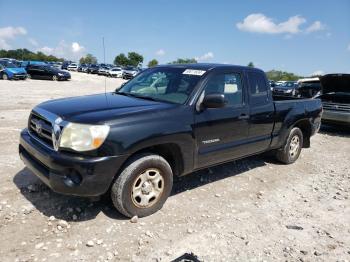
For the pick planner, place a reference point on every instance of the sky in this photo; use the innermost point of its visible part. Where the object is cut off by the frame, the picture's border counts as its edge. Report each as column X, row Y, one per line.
column 303, row 37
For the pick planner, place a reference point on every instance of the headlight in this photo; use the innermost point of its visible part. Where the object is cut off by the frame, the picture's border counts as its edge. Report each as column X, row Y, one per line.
column 80, row 137
column 60, row 74
column 289, row 91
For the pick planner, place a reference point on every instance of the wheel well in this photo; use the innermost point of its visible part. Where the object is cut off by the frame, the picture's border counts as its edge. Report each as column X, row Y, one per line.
column 305, row 128
column 171, row 153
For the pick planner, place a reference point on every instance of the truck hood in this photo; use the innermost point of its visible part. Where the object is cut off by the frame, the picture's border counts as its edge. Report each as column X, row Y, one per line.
column 100, row 108
column 335, row 83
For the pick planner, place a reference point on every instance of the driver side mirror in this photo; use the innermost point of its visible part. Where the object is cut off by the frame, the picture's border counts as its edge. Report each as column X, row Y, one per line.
column 214, row 100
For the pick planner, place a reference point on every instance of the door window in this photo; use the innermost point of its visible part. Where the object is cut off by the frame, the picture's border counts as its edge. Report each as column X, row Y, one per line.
column 229, row 84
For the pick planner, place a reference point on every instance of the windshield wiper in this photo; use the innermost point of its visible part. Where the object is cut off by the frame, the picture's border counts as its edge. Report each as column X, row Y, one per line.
column 138, row 96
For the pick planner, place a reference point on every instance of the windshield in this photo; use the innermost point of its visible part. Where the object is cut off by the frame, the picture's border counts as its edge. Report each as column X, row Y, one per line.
column 288, row 85
column 10, row 65
column 163, row 84
column 51, row 68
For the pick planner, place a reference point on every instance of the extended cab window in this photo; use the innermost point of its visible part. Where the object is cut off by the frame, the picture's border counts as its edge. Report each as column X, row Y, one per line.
column 172, row 85
column 229, row 84
column 258, row 88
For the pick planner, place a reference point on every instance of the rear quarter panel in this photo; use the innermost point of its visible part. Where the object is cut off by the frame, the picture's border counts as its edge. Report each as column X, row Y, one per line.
column 289, row 113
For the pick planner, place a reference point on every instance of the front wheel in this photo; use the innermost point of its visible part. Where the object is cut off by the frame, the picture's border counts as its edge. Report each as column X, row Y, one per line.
column 5, row 77
column 291, row 151
column 143, row 186
column 54, row 78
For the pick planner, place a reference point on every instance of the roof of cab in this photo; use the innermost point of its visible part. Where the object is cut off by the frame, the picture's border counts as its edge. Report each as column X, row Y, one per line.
column 209, row 66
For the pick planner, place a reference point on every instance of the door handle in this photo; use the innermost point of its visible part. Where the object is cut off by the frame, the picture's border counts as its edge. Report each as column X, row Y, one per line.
column 243, row 116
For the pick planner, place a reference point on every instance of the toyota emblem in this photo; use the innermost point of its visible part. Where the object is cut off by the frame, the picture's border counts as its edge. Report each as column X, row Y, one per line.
column 38, row 128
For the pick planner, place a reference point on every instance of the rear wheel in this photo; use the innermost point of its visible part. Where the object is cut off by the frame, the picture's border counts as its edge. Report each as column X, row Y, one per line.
column 5, row 77
column 29, row 76
column 291, row 151
column 143, row 186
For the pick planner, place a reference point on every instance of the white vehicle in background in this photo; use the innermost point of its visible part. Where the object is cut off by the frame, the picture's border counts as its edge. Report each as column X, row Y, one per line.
column 103, row 70
column 73, row 67
column 115, row 72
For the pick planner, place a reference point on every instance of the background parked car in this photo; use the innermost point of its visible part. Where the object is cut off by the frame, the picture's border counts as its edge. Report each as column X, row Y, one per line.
column 288, row 88
column 309, row 87
column 47, row 72
column 65, row 65
column 103, row 70
column 115, row 72
column 93, row 69
column 10, row 70
column 72, row 67
column 336, row 99
column 24, row 64
column 81, row 67
column 130, row 72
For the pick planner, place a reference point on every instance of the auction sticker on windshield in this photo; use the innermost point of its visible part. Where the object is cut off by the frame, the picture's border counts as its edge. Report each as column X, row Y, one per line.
column 193, row 72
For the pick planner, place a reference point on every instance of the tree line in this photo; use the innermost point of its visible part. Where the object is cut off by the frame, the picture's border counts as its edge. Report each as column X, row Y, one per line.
column 25, row 54
column 130, row 59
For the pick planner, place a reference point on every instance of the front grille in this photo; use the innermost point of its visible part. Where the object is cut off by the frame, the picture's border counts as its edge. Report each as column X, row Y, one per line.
column 336, row 107
column 19, row 75
column 40, row 128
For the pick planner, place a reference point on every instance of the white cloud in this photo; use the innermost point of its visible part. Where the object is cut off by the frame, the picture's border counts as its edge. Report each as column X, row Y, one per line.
column 33, row 42
column 69, row 51
column 314, row 27
column 205, row 57
column 318, row 73
column 11, row 32
column 160, row 52
column 47, row 50
column 259, row 23
column 7, row 33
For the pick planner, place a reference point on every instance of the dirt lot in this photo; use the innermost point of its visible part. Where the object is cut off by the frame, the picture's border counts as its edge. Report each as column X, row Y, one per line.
column 248, row 210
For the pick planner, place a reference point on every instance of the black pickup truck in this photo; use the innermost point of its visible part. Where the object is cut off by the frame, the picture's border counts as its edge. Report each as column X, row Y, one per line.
column 167, row 121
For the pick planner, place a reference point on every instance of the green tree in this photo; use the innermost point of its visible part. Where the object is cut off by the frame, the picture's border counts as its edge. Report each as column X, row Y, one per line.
column 184, row 61
column 277, row 75
column 152, row 63
column 88, row 59
column 25, row 54
column 135, row 59
column 121, row 60
column 251, row 64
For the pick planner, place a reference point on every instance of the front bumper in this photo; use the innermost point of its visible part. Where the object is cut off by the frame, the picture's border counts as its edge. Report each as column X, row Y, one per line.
column 19, row 76
column 65, row 77
column 336, row 117
column 66, row 173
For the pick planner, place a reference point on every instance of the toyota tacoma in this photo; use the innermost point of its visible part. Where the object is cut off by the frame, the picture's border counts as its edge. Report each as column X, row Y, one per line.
column 167, row 121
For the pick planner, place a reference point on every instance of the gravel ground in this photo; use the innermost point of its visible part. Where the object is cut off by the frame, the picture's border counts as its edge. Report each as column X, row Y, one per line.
column 248, row 210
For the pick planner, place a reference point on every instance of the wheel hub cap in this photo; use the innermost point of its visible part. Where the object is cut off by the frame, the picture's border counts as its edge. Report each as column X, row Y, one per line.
column 294, row 146
column 147, row 188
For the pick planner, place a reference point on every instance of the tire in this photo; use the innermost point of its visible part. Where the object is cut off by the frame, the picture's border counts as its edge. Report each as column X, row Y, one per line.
column 5, row 77
column 143, row 186
column 291, row 150
column 54, row 78
column 29, row 76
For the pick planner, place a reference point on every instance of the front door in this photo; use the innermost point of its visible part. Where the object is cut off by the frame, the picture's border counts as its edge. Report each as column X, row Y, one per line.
column 220, row 133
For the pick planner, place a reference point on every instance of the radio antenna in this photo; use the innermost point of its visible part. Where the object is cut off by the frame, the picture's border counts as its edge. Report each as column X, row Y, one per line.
column 104, row 60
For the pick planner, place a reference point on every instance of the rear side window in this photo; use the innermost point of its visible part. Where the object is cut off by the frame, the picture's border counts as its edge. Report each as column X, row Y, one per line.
column 258, row 88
